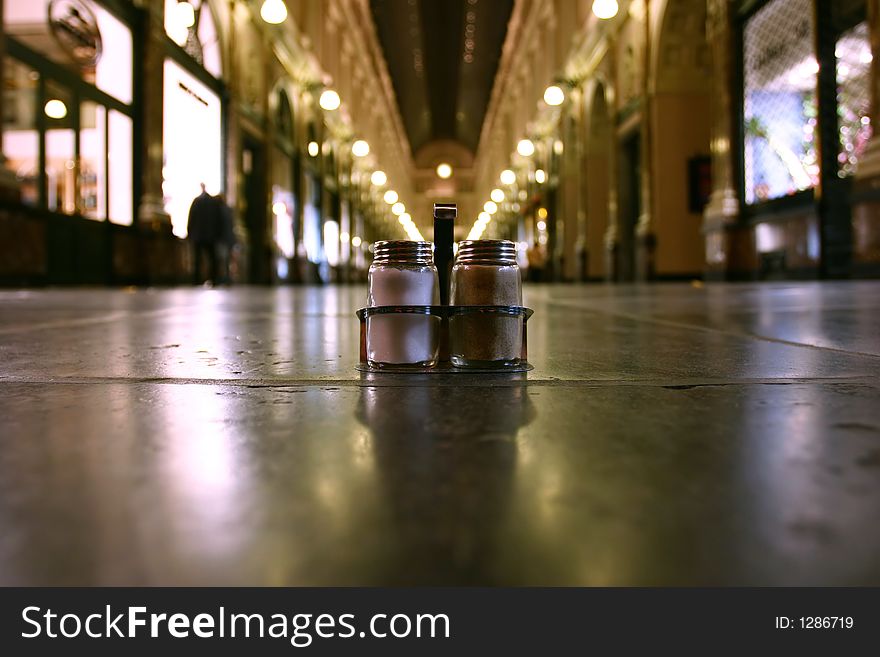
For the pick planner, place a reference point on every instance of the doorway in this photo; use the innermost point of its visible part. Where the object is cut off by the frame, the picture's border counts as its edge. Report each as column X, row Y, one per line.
column 629, row 205
column 255, row 214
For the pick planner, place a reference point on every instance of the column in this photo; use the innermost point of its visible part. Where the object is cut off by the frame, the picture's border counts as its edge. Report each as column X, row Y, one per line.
column 721, row 213
column 612, row 232
column 151, row 208
column 645, row 239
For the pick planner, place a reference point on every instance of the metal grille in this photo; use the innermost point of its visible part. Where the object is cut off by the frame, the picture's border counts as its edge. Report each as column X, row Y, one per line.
column 853, row 54
column 779, row 110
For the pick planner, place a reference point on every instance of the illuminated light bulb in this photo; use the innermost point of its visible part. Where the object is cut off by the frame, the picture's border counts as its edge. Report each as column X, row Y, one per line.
column 508, row 177
column 273, row 11
column 391, row 197
column 444, row 170
column 343, row 237
column 542, row 225
column 553, row 95
column 186, row 15
column 360, row 148
column 279, row 208
column 558, row 147
column 605, row 9
column 497, row 195
column 329, row 100
column 490, row 207
column 540, row 176
column 542, row 213
column 525, row 147
column 355, row 241
column 398, row 209
column 55, row 109
column 314, row 149
column 378, row 178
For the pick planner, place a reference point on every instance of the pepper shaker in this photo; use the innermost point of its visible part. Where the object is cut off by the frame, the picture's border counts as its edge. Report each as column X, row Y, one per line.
column 485, row 273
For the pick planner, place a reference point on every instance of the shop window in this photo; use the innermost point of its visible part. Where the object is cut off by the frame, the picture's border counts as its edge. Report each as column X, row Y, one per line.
column 192, row 143
column 21, row 140
column 119, row 155
column 60, row 150
column 93, row 160
column 76, row 34
column 780, row 118
column 282, row 213
column 191, row 26
column 853, row 55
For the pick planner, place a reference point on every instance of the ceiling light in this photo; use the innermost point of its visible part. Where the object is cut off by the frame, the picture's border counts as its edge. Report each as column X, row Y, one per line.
column 391, row 197
column 540, row 176
column 497, row 195
column 605, row 9
column 490, row 207
column 273, row 11
column 360, row 148
column 329, row 100
column 314, row 149
column 553, row 95
column 398, row 208
column 525, row 147
column 444, row 170
column 508, row 177
column 542, row 213
column 542, row 225
column 355, row 241
column 379, row 178
column 279, row 208
column 55, row 109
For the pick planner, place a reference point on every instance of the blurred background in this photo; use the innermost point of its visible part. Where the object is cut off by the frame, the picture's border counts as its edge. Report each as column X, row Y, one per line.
column 612, row 140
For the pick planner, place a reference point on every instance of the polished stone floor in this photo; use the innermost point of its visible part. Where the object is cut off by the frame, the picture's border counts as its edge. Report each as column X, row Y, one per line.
column 668, row 435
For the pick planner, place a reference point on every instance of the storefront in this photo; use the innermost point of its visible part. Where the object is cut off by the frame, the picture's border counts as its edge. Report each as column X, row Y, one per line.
column 68, row 118
column 805, row 124
column 192, row 141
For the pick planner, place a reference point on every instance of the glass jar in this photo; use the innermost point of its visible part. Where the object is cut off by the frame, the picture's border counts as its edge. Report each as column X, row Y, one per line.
column 485, row 273
column 403, row 274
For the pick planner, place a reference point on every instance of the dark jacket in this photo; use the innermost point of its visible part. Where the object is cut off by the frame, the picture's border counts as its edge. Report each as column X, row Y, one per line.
column 204, row 220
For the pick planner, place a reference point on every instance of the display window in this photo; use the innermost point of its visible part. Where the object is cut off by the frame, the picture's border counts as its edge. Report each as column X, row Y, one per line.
column 21, row 137
column 779, row 101
column 853, row 70
column 67, row 95
column 76, row 34
column 192, row 143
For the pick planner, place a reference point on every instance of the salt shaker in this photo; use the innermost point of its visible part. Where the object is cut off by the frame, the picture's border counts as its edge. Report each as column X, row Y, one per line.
column 485, row 273
column 403, row 274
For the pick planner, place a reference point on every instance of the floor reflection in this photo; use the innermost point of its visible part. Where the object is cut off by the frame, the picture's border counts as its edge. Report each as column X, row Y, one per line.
column 445, row 459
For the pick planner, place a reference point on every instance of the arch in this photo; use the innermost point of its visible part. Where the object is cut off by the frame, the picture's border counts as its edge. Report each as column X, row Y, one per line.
column 283, row 116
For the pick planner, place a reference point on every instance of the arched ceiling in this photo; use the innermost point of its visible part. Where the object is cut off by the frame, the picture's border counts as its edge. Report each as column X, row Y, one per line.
column 442, row 56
